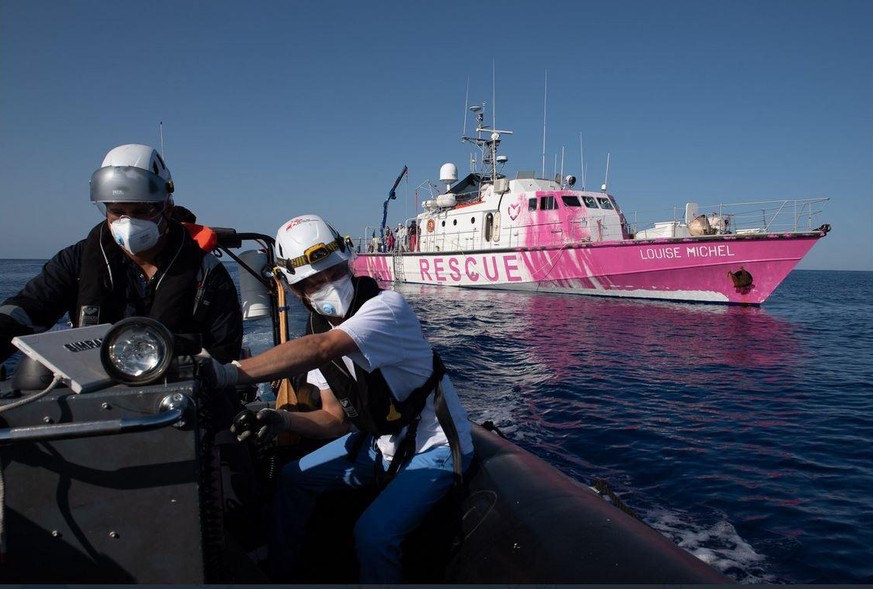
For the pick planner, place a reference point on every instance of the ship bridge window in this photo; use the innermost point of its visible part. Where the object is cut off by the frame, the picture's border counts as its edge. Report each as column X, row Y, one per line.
column 532, row 204
column 590, row 202
column 471, row 194
column 604, row 203
column 547, row 203
column 571, row 201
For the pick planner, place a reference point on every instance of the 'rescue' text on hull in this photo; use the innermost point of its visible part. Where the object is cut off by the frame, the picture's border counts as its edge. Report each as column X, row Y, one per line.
column 491, row 268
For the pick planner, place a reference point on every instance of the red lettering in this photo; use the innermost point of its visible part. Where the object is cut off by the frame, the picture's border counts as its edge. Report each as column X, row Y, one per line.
column 454, row 270
column 493, row 267
column 510, row 263
column 438, row 269
column 472, row 275
column 424, row 269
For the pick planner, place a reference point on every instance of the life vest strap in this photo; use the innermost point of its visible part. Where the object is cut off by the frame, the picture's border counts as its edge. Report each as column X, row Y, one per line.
column 406, row 448
column 405, row 452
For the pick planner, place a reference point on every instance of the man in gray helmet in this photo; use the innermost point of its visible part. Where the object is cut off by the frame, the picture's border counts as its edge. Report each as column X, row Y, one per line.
column 138, row 261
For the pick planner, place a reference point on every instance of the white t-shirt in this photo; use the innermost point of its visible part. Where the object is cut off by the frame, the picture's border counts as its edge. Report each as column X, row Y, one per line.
column 389, row 337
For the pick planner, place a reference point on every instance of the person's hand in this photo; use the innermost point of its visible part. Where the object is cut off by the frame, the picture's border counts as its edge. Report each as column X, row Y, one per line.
column 272, row 423
column 215, row 374
column 265, row 424
column 244, row 425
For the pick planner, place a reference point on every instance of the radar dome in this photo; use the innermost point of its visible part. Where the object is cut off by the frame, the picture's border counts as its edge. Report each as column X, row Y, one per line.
column 448, row 173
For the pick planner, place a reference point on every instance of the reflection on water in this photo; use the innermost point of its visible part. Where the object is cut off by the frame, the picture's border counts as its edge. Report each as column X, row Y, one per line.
column 587, row 348
column 699, row 415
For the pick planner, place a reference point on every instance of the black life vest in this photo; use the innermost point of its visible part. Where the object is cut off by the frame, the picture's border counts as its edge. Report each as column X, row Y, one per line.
column 105, row 295
column 366, row 398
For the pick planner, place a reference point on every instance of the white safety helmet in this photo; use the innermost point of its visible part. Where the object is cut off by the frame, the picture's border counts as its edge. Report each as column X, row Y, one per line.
column 131, row 173
column 307, row 245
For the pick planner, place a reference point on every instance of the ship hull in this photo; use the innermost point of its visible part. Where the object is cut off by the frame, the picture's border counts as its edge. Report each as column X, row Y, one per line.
column 727, row 269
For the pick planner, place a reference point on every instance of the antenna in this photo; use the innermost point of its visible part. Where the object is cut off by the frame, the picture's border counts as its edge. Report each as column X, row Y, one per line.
column 606, row 178
column 545, row 95
column 466, row 104
column 582, row 159
column 562, row 162
column 161, row 127
column 493, row 94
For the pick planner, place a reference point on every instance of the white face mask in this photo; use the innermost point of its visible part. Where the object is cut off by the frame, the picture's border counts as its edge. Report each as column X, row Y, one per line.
column 334, row 299
column 135, row 235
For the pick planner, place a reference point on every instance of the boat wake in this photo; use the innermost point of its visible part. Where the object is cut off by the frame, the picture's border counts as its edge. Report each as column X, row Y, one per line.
column 717, row 544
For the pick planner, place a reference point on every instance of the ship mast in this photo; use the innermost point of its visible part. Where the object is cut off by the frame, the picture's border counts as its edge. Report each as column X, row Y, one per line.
column 486, row 144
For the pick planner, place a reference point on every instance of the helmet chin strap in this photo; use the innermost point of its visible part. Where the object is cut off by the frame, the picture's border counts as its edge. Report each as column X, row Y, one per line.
column 165, row 219
column 355, row 296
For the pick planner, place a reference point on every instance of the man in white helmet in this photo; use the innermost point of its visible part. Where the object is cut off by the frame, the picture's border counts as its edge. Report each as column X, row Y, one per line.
column 137, row 261
column 365, row 351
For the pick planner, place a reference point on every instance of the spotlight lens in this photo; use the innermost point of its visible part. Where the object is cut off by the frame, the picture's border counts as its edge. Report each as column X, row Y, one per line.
column 136, row 353
column 137, row 350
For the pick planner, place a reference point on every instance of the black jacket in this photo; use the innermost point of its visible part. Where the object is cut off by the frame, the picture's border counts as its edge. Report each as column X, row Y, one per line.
column 57, row 290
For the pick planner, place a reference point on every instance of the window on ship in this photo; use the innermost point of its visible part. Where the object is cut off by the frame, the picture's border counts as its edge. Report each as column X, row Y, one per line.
column 532, row 204
column 604, row 203
column 590, row 202
column 471, row 193
column 570, row 201
column 547, row 203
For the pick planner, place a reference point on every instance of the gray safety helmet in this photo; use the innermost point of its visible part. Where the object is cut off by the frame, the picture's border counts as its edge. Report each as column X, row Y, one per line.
column 131, row 173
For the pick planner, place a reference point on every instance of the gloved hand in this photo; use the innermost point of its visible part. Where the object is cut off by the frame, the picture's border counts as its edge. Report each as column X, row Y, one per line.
column 265, row 424
column 215, row 374
column 244, row 425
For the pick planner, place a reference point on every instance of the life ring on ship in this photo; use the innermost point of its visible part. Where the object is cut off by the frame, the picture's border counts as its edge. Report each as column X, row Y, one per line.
column 430, row 225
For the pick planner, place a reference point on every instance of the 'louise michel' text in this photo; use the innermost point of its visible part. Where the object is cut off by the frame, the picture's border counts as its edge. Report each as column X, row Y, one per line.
column 722, row 250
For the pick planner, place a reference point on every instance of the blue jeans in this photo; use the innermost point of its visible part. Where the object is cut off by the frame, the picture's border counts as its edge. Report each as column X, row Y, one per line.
column 397, row 510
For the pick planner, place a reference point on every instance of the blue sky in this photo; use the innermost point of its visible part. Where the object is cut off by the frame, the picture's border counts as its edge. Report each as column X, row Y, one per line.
column 274, row 109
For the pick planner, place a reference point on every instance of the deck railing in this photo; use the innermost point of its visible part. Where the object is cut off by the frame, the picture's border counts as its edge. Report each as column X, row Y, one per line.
column 771, row 216
column 775, row 216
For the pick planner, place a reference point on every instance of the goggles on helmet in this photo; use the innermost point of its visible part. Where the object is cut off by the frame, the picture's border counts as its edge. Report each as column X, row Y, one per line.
column 312, row 254
column 146, row 211
column 128, row 184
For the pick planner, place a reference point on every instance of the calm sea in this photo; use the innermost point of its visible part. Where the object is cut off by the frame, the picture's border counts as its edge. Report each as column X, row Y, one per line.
column 744, row 434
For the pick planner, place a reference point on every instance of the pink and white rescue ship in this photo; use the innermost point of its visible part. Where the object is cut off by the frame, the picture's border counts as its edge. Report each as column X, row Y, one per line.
column 540, row 235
